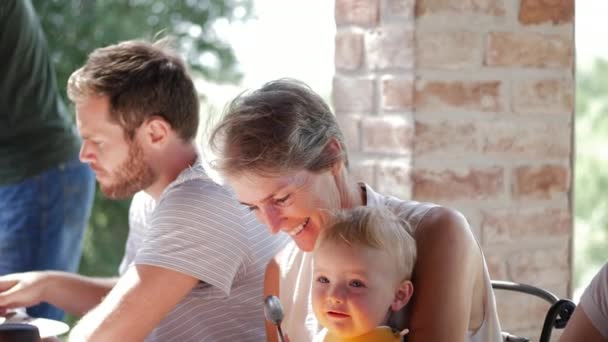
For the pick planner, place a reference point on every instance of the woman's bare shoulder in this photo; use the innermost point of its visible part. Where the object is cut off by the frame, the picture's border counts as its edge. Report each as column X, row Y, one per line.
column 445, row 221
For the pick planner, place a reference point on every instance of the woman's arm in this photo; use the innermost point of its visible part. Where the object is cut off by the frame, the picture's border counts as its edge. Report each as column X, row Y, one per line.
column 590, row 319
column 579, row 328
column 448, row 269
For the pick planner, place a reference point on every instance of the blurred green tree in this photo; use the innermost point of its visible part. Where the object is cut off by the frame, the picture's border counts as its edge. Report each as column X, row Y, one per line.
column 76, row 27
column 591, row 178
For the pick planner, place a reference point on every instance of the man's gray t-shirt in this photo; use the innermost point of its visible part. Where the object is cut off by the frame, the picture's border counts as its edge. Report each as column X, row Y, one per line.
column 198, row 228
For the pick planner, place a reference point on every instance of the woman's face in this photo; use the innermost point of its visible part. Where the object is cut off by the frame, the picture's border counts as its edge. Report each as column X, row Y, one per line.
column 297, row 203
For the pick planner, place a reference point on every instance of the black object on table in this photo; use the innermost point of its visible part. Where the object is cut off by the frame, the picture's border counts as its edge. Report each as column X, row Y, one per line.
column 18, row 332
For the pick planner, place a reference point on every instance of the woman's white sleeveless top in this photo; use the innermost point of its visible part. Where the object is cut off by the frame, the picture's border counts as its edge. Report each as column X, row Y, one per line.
column 296, row 279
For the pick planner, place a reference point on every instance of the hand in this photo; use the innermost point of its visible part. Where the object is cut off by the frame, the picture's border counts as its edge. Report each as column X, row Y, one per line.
column 21, row 290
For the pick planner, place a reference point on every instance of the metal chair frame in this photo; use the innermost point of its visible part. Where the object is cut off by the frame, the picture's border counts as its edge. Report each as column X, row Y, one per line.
column 558, row 314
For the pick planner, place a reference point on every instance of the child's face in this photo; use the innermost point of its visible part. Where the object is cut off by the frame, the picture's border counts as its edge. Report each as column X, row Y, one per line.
column 354, row 288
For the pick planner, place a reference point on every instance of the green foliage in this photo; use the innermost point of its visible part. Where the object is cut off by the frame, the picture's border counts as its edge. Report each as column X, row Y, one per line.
column 76, row 27
column 104, row 241
column 591, row 178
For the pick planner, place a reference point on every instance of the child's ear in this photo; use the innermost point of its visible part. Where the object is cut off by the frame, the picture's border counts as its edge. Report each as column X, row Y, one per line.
column 403, row 295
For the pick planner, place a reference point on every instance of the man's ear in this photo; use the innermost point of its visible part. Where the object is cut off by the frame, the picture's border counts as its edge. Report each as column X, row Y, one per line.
column 402, row 295
column 156, row 130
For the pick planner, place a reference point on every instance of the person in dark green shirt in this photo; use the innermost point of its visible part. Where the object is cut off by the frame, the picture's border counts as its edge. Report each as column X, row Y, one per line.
column 45, row 192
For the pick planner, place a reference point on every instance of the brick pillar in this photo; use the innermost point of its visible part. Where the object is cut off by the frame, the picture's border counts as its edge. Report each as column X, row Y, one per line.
column 373, row 90
column 469, row 104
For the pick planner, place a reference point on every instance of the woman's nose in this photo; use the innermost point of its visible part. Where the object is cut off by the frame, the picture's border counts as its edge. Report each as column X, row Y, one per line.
column 272, row 218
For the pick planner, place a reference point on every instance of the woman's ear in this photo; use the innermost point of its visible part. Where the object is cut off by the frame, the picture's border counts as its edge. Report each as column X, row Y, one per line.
column 334, row 148
column 402, row 295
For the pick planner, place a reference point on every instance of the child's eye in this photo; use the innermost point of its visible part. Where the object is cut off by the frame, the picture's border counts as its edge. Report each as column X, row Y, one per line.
column 323, row 280
column 252, row 208
column 356, row 283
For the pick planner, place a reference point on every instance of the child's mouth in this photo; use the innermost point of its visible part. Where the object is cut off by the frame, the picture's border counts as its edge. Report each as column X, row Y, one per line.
column 336, row 314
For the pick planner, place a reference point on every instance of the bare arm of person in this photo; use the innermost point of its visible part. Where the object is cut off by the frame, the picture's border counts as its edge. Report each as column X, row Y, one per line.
column 448, row 268
column 271, row 287
column 73, row 293
column 135, row 306
column 580, row 328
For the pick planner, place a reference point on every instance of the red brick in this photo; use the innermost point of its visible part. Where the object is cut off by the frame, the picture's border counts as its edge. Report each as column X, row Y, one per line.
column 350, row 125
column 436, row 96
column 460, row 7
column 520, row 313
column 540, row 182
column 472, row 215
column 547, row 267
column 349, row 50
column 448, row 49
column 364, row 171
column 457, row 184
column 517, row 224
column 541, row 11
column 446, row 137
column 398, row 8
column 389, row 47
column 395, row 178
column 497, row 266
column 524, row 139
column 523, row 314
column 387, row 134
column 354, row 95
column 543, row 96
column 555, row 336
column 357, row 12
column 533, row 333
column 528, row 49
column 397, row 93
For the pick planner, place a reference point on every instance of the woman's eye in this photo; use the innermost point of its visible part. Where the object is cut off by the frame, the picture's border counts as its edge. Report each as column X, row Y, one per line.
column 282, row 199
column 252, row 208
column 356, row 283
column 323, row 280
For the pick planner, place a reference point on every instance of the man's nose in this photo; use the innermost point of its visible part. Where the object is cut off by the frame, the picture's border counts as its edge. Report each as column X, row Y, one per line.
column 86, row 152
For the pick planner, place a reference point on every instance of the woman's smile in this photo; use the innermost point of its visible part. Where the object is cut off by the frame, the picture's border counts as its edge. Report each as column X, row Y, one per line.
column 299, row 228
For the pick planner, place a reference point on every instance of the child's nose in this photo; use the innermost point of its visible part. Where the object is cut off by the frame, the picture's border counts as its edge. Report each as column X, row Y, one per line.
column 337, row 294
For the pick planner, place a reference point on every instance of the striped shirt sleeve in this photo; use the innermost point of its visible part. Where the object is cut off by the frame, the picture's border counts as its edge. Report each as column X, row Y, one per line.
column 197, row 229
